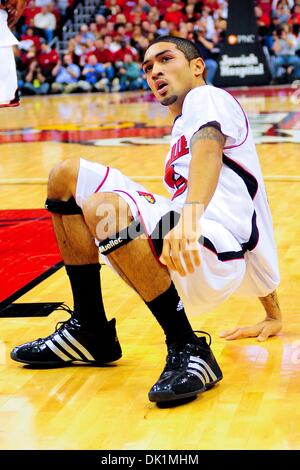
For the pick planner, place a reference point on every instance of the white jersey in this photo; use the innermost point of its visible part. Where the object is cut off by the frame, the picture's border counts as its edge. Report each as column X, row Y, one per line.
column 9, row 96
column 239, row 202
column 7, row 38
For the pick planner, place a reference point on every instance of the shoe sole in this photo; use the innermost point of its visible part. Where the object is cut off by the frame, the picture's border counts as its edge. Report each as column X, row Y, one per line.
column 64, row 363
column 161, row 397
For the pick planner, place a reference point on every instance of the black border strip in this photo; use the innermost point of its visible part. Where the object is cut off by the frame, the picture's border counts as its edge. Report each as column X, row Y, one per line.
column 249, row 180
column 9, row 300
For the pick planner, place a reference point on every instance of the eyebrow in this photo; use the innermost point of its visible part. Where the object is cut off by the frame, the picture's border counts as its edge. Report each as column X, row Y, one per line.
column 157, row 55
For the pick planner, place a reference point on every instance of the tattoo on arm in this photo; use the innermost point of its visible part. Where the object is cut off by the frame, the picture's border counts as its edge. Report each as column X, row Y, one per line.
column 272, row 298
column 271, row 305
column 209, row 133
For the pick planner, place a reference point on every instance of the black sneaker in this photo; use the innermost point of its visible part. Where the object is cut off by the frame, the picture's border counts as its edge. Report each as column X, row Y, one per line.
column 69, row 343
column 191, row 368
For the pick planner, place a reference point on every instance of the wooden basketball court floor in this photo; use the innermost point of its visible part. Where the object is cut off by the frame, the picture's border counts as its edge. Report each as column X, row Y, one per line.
column 256, row 406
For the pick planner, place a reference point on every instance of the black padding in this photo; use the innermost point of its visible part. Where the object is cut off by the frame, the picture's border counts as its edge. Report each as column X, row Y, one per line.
column 63, row 207
column 135, row 229
column 125, row 236
column 166, row 223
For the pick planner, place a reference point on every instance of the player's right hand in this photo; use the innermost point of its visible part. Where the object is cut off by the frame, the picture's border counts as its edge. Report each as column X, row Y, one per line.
column 181, row 245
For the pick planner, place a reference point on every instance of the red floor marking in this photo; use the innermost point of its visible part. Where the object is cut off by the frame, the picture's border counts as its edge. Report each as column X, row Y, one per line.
column 27, row 248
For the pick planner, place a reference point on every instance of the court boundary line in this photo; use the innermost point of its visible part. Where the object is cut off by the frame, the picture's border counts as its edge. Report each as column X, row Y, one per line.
column 30, row 285
column 154, row 179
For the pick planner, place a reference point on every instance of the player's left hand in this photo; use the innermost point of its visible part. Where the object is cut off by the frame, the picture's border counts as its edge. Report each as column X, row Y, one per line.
column 183, row 241
column 262, row 330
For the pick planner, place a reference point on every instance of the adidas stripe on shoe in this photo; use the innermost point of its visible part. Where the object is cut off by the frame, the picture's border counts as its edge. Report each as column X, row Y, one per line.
column 71, row 343
column 191, row 368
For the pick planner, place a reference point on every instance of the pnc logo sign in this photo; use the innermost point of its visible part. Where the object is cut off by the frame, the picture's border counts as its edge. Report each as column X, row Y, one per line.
column 234, row 39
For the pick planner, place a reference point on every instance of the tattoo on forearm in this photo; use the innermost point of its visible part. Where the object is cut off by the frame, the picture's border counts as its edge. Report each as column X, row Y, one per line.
column 271, row 304
column 209, row 133
column 274, row 298
column 271, row 298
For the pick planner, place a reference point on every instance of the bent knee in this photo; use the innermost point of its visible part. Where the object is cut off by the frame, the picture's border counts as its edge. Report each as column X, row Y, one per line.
column 105, row 214
column 63, row 178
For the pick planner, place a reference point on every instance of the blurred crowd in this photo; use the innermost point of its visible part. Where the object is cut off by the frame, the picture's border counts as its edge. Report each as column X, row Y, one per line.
column 107, row 53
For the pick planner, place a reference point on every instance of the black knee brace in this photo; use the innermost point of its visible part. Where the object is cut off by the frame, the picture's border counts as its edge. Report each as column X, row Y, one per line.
column 125, row 236
column 135, row 229
column 63, row 207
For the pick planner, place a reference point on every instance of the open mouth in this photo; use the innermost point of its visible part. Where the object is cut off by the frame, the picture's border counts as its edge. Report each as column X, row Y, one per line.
column 162, row 87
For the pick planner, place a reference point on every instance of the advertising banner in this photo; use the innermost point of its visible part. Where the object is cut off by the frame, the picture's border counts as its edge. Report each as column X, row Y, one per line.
column 242, row 61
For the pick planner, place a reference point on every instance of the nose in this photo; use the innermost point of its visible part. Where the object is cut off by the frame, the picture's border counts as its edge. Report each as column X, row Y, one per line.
column 155, row 72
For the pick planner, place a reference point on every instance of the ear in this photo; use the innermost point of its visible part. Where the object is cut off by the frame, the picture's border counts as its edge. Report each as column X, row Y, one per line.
column 198, row 67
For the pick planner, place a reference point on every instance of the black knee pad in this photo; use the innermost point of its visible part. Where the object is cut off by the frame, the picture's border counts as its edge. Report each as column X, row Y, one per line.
column 133, row 231
column 63, row 207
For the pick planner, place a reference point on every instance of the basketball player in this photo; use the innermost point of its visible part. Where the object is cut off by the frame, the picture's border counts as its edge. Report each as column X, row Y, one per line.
column 163, row 247
column 10, row 12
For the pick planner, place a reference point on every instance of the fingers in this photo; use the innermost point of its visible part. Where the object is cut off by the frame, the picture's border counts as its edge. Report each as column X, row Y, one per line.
column 165, row 257
column 266, row 332
column 237, row 333
column 186, row 254
column 172, row 261
column 195, row 253
column 171, row 256
column 226, row 333
column 176, row 259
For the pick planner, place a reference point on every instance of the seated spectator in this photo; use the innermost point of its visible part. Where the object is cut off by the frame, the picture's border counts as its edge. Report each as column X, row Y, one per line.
column 130, row 75
column 136, row 14
column 102, row 53
column 154, row 15
column 35, row 82
column 190, row 14
column 45, row 22
column 31, row 38
column 174, row 13
column 95, row 77
column 295, row 18
column 205, row 47
column 47, row 59
column 28, row 56
column 284, row 47
column 100, row 22
column 124, row 49
column 141, row 45
column 163, row 29
column 282, row 11
column 121, row 32
column 65, row 76
column 94, row 30
column 29, row 13
column 86, row 33
column 207, row 22
column 111, row 44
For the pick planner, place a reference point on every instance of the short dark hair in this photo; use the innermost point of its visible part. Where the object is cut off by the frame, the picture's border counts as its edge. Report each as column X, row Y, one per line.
column 188, row 48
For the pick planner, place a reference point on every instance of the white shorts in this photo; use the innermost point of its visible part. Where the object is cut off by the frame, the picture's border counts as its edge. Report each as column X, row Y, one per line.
column 222, row 266
column 8, row 78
